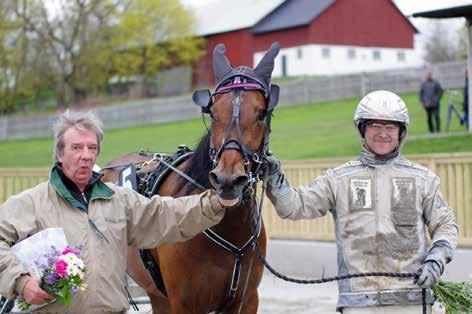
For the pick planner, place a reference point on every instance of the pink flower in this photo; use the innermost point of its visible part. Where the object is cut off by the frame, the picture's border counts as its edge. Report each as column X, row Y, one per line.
column 61, row 267
column 70, row 250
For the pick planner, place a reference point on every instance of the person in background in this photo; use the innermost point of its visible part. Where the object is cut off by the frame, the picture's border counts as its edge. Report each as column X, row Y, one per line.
column 384, row 208
column 430, row 98
column 465, row 103
column 101, row 217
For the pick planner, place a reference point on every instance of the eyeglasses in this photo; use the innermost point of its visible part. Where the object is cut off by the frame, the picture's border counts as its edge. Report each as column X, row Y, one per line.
column 388, row 128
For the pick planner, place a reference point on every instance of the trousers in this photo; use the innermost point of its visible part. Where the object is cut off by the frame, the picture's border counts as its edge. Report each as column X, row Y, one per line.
column 388, row 309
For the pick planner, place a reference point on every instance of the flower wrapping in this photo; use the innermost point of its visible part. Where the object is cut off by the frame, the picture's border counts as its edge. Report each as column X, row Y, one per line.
column 61, row 271
column 61, row 275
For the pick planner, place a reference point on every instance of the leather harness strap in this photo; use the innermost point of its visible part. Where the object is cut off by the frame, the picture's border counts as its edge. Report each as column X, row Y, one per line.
column 238, row 252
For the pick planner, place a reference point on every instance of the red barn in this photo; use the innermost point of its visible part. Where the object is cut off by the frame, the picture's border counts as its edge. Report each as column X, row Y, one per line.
column 317, row 37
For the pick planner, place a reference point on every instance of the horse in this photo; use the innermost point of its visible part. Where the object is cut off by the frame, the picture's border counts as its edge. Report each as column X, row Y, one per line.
column 217, row 270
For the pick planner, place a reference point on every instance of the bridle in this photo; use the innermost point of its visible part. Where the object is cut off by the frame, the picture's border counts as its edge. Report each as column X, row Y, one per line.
column 237, row 85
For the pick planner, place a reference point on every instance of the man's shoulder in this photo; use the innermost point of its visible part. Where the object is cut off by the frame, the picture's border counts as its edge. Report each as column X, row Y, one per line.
column 31, row 194
column 347, row 168
column 407, row 165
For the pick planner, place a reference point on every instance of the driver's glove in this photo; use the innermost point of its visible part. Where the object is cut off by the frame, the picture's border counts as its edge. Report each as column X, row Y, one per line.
column 433, row 266
column 278, row 188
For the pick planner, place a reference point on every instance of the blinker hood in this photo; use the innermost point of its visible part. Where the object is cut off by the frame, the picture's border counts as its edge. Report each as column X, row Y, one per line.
column 224, row 74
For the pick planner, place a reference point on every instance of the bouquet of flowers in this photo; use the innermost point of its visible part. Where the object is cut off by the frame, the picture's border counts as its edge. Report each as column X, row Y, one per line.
column 61, row 275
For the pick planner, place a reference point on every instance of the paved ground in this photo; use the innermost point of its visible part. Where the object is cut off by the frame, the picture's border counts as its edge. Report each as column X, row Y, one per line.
column 279, row 297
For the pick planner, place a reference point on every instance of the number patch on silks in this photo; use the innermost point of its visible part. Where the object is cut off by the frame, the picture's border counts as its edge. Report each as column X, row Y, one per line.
column 127, row 177
column 360, row 196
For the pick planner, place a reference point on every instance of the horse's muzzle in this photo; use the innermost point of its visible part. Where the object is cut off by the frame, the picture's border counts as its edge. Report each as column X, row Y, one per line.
column 229, row 188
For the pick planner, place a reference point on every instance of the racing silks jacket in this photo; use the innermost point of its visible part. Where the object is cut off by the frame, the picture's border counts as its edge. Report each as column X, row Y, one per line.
column 382, row 214
column 116, row 217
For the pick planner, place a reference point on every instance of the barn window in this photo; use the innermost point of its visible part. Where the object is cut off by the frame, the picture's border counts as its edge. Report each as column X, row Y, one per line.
column 299, row 53
column 376, row 55
column 401, row 56
column 351, row 53
column 326, row 52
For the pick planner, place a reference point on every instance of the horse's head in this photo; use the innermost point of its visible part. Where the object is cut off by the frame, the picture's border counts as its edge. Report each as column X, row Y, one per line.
column 240, row 108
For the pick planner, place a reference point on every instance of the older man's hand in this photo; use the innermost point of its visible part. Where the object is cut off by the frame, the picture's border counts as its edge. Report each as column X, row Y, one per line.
column 33, row 294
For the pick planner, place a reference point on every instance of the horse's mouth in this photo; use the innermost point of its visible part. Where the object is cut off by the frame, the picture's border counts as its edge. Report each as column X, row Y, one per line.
column 229, row 203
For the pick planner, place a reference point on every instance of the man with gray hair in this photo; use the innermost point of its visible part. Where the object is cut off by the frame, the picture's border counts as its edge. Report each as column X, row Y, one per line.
column 101, row 217
column 384, row 207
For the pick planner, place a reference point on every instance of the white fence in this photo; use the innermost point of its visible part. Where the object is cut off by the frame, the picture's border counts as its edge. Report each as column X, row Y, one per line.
column 301, row 91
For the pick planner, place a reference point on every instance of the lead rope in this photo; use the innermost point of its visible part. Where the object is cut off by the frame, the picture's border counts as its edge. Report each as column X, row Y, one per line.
column 322, row 280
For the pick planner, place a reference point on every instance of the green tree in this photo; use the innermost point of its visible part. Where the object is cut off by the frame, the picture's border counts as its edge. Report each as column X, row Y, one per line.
column 15, row 81
column 81, row 44
column 154, row 34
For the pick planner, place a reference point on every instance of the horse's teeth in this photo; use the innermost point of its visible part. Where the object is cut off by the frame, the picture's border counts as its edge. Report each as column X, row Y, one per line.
column 228, row 203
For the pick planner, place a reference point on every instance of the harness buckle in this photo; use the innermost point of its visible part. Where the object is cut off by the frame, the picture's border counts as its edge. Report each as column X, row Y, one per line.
column 256, row 158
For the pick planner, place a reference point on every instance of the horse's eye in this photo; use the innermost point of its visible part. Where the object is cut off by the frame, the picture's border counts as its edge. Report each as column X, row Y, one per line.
column 261, row 116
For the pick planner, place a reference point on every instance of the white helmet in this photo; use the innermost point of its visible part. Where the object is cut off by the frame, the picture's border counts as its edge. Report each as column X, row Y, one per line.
column 381, row 105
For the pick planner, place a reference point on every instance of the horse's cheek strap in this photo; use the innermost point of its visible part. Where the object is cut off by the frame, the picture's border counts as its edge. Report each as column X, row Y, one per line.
column 274, row 96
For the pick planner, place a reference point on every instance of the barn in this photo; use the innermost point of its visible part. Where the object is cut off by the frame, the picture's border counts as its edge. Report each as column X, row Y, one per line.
column 321, row 37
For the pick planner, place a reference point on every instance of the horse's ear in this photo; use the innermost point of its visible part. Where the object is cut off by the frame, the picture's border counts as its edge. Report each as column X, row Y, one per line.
column 265, row 67
column 274, row 97
column 221, row 65
column 202, row 98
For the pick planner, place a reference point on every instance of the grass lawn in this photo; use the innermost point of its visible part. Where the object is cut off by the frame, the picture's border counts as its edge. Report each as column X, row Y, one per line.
column 300, row 132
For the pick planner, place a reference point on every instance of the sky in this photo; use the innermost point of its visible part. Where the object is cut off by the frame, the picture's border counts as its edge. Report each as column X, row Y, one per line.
column 408, row 7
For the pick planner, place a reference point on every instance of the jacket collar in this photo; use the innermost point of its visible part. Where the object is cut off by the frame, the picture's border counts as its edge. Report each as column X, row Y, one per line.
column 370, row 159
column 99, row 190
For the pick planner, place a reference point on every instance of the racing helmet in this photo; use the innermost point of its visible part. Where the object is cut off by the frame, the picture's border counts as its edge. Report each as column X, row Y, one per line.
column 381, row 105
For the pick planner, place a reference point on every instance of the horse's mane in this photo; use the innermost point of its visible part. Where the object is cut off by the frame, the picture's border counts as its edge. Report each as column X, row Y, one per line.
column 199, row 166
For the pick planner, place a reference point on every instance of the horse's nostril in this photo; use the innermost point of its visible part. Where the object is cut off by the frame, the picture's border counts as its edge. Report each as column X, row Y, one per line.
column 214, row 179
column 241, row 180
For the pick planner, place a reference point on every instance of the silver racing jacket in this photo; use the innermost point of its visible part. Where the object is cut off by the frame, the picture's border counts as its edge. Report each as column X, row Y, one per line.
column 382, row 214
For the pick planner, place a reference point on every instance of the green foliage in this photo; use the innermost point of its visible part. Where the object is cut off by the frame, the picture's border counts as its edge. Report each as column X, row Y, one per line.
column 321, row 130
column 77, row 50
column 154, row 34
column 456, row 297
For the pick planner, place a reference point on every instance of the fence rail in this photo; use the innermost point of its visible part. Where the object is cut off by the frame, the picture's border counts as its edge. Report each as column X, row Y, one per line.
column 454, row 170
column 306, row 90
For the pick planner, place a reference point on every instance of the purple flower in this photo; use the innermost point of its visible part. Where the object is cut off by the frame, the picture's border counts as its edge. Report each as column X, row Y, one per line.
column 51, row 278
column 70, row 250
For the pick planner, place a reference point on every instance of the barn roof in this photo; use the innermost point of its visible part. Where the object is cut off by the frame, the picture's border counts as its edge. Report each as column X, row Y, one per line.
column 262, row 16
column 291, row 14
column 222, row 16
column 458, row 11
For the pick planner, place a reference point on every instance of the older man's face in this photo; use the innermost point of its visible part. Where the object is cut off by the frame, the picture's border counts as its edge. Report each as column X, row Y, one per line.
column 79, row 156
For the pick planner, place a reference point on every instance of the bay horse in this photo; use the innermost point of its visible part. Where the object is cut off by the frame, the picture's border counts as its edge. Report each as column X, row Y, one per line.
column 217, row 270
